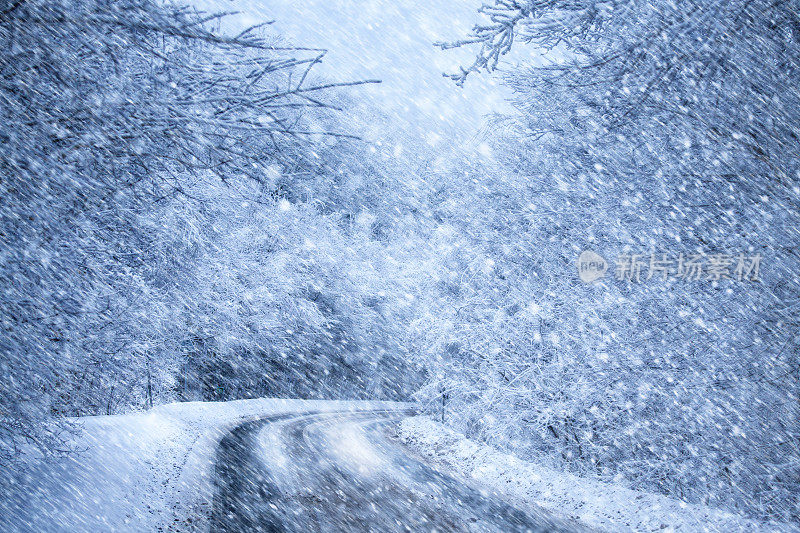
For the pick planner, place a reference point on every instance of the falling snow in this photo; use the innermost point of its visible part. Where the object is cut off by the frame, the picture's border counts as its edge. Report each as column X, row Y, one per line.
column 245, row 240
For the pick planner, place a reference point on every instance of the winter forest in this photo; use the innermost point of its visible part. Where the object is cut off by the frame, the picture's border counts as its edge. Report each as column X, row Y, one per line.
column 197, row 205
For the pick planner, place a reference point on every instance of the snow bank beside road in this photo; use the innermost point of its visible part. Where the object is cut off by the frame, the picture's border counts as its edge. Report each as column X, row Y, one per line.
column 602, row 505
column 150, row 471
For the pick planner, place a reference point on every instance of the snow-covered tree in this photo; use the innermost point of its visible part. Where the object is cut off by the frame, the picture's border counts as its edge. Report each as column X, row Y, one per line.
column 645, row 127
column 113, row 112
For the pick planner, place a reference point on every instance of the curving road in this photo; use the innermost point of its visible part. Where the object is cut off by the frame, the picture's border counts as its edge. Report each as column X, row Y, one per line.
column 340, row 472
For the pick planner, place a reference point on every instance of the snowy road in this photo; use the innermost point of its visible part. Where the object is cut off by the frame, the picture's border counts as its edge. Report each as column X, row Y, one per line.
column 341, row 472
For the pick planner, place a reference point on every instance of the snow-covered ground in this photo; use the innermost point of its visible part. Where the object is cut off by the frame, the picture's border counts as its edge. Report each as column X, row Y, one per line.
column 602, row 505
column 143, row 472
column 153, row 471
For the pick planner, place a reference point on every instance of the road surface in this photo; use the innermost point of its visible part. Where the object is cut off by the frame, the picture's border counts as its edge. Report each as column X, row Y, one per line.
column 341, row 472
